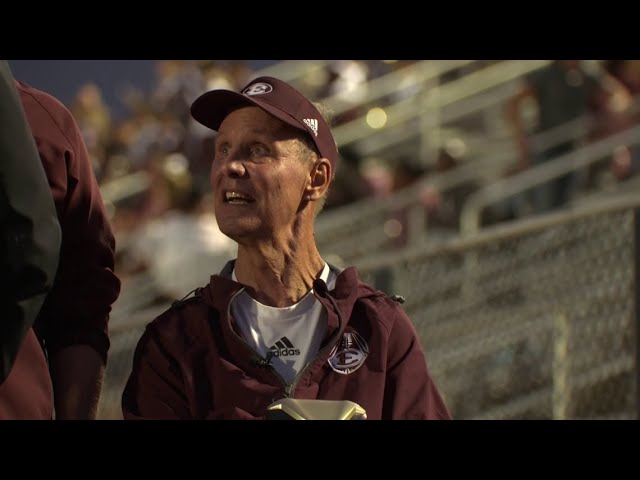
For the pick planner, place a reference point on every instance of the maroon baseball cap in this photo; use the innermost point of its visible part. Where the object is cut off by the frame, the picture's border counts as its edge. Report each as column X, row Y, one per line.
column 276, row 98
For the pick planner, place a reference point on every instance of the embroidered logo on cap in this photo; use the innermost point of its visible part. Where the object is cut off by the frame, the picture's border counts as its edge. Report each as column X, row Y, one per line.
column 259, row 88
column 349, row 354
column 312, row 123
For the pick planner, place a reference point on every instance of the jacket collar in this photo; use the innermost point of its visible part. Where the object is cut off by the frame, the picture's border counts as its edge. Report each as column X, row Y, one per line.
column 222, row 289
column 346, row 291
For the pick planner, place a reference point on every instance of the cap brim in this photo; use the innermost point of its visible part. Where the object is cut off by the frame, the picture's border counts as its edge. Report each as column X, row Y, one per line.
column 211, row 108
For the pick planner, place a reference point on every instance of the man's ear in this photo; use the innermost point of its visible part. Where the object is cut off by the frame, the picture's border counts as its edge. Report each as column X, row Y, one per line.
column 319, row 179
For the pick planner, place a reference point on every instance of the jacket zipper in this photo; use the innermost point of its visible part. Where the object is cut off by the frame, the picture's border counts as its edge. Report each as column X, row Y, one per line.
column 248, row 347
column 290, row 388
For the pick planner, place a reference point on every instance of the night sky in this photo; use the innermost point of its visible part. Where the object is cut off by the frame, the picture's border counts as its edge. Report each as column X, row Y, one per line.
column 62, row 78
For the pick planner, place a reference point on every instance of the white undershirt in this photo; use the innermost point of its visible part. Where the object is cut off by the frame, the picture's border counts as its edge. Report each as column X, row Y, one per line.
column 292, row 335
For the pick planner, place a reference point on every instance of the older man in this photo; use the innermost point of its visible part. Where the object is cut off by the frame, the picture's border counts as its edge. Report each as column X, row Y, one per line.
column 278, row 321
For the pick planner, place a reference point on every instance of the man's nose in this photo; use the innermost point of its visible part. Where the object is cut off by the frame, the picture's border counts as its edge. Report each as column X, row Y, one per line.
column 234, row 165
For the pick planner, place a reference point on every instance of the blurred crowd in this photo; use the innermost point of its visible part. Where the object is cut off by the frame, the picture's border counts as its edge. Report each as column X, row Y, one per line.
column 172, row 210
column 604, row 95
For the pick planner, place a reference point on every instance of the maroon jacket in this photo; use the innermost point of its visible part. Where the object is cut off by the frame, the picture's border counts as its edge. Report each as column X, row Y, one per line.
column 192, row 364
column 77, row 308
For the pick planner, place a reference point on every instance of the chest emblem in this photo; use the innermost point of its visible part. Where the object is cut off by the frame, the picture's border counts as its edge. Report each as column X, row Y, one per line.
column 349, row 354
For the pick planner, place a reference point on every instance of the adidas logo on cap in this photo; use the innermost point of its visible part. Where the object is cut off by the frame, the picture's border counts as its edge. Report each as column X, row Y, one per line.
column 312, row 123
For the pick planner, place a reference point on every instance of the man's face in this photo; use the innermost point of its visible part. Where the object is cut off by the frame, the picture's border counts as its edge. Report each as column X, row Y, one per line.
column 258, row 176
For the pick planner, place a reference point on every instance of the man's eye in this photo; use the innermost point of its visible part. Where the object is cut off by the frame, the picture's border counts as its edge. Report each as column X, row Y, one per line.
column 259, row 150
column 222, row 152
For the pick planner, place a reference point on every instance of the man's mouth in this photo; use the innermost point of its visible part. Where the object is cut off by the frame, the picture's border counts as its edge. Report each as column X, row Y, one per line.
column 237, row 198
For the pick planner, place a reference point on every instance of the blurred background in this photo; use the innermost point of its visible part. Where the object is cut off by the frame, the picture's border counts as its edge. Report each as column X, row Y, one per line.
column 499, row 197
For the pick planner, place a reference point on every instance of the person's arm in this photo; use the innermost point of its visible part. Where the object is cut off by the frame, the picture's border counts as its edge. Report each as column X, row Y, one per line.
column 74, row 318
column 30, row 235
column 76, row 372
column 155, row 388
column 87, row 275
column 410, row 393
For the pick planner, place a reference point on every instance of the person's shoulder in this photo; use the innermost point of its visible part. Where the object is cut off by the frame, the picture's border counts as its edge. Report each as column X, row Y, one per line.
column 185, row 317
column 349, row 280
column 43, row 100
column 380, row 305
column 45, row 113
column 367, row 292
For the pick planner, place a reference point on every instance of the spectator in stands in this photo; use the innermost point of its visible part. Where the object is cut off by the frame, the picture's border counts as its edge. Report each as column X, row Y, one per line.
column 94, row 121
column 405, row 173
column 627, row 72
column 625, row 161
column 72, row 324
column 563, row 91
column 278, row 321
column 179, row 83
column 444, row 207
column 159, row 246
column 348, row 185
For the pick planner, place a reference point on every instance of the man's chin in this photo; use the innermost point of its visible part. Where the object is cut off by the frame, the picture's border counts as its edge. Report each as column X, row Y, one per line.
column 242, row 234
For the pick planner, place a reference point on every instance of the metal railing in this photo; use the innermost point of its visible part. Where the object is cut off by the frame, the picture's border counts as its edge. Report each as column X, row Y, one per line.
column 121, row 188
column 543, row 326
column 538, row 175
column 410, row 77
column 358, row 229
column 437, row 98
column 292, row 71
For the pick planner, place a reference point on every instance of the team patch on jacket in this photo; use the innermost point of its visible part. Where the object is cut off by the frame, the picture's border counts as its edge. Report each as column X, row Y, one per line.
column 349, row 354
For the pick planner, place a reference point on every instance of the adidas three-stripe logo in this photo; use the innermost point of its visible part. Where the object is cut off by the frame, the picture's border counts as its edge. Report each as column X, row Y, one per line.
column 284, row 342
column 283, row 348
column 312, row 123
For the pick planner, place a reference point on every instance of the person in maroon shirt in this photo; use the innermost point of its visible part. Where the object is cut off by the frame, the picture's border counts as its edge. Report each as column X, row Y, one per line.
column 278, row 321
column 30, row 244
column 72, row 326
